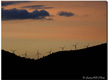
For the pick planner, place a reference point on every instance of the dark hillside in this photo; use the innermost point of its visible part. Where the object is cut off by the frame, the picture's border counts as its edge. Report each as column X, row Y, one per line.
column 60, row 65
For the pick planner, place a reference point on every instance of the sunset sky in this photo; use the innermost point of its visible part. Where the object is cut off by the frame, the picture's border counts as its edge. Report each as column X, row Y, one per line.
column 45, row 25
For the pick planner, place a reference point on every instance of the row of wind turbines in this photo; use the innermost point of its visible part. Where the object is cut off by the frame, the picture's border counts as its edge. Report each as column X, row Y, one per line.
column 74, row 46
column 50, row 52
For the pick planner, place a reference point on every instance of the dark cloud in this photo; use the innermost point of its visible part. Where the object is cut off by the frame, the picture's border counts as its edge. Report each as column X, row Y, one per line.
column 66, row 14
column 13, row 14
column 37, row 7
column 5, row 3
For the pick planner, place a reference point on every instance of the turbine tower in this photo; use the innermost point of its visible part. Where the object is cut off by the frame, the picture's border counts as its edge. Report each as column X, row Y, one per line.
column 62, row 48
column 75, row 46
column 50, row 52
column 13, row 50
column 38, row 54
column 26, row 54
column 87, row 45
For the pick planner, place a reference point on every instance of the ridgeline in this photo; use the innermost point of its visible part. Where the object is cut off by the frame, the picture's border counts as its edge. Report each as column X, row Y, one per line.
column 74, row 64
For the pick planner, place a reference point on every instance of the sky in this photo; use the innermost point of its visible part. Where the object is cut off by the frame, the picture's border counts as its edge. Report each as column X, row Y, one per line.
column 44, row 25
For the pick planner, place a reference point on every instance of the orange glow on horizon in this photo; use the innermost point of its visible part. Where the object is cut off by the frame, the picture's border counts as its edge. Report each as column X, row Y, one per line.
column 88, row 24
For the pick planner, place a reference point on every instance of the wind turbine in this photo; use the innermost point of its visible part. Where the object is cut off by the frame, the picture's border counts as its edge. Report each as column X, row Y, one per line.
column 50, row 52
column 75, row 46
column 26, row 54
column 62, row 48
column 87, row 45
column 38, row 54
column 13, row 50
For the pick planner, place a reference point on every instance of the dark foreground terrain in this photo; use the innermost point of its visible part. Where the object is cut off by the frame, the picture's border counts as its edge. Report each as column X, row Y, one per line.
column 60, row 65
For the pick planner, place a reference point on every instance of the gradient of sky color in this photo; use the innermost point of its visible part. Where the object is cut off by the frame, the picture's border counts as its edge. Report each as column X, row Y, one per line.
column 87, row 25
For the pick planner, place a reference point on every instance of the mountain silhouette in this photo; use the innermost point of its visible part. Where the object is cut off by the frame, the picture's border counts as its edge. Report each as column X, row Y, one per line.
column 74, row 64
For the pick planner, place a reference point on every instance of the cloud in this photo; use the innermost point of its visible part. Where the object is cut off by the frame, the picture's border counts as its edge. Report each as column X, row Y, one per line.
column 66, row 14
column 5, row 3
column 13, row 14
column 37, row 7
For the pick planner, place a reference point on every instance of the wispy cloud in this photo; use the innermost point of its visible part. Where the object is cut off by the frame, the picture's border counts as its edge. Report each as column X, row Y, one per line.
column 6, row 3
column 66, row 14
column 37, row 7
